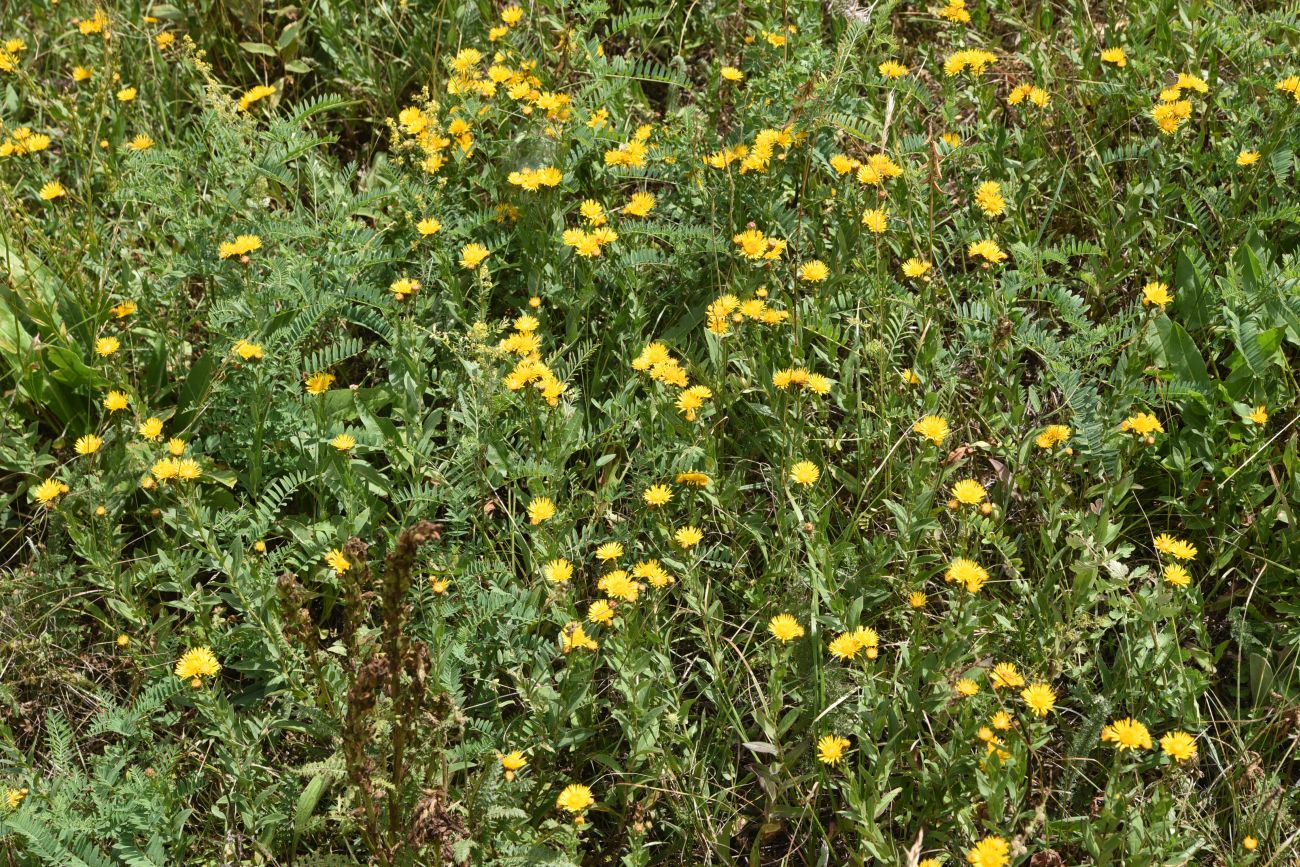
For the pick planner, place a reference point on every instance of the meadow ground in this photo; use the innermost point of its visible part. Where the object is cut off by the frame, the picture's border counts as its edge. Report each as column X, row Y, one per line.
column 610, row 432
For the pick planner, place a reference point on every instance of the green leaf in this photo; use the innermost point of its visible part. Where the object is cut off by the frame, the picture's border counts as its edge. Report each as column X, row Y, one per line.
column 1182, row 356
column 258, row 48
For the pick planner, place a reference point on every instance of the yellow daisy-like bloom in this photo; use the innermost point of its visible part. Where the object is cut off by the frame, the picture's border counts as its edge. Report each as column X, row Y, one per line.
column 814, row 271
column 844, row 646
column 126, row 94
column 1040, row 697
column 51, row 191
column 990, row 852
column 573, row 638
column 512, row 763
column 1127, row 734
column 600, row 612
column 559, row 571
column 1180, row 746
column 608, row 551
column 403, row 288
column 1157, row 294
column 575, row 798
column 1143, row 424
column 344, row 442
column 241, row 246
column 176, row 446
column 831, row 749
column 876, row 220
column 540, row 509
column 81, row 73
column 688, row 537
column 151, row 428
column 1249, row 843
column 966, row 687
column 1247, row 158
column 165, row 470
column 115, row 401
column 969, row 492
column 1001, row 720
column 639, row 205
column 917, row 599
column 968, row 573
column 88, row 444
column 934, row 428
column 254, row 95
column 804, row 473
column 188, row 469
column 892, row 69
column 988, row 198
column 428, row 226
column 1005, row 675
column 731, row 73
column 196, row 664
column 1052, row 435
column 915, row 268
column 48, row 491
column 1259, row 415
column 1115, row 56
column 319, row 383
column 164, row 40
column 694, row 479
column 472, row 255
column 657, row 495
column 1176, row 548
column 335, row 560
column 988, row 250
column 785, row 628
column 140, row 143
column 1177, row 575
column 249, row 351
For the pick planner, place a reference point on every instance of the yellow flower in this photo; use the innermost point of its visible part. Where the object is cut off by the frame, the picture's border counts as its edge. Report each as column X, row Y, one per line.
column 1176, row 548
column 688, row 537
column 106, row 346
column 88, row 444
column 344, row 442
column 1143, row 424
column 513, row 762
column 804, row 473
column 966, row 687
column 990, row 852
column 915, row 268
column 196, row 664
column 1115, row 56
column 693, row 479
column 1156, row 293
column 558, row 571
column 165, row 469
column 574, row 638
column 164, row 40
column 116, row 400
column 428, row 226
column 248, row 351
column 1005, row 675
column 255, row 94
column 967, row 573
column 731, row 73
column 917, row 599
column 575, row 798
column 600, row 612
column 1259, row 415
column 988, row 198
column 403, row 288
column 1249, row 843
column 48, row 491
column 1040, row 698
column 1247, row 158
column 609, row 551
column 1051, row 435
column 1177, row 575
column 151, row 428
column 81, row 73
column 176, row 446
column 540, row 509
column 657, row 495
column 969, row 492
column 335, row 560
column 831, row 749
column 126, row 94
column 892, row 69
column 932, row 427
column 988, row 250
column 785, row 628
column 51, row 191
column 140, row 143
column 243, row 244
column 876, row 220
column 188, row 470
column 1127, row 734
column 639, row 205
column 319, row 383
column 472, row 255
column 814, row 271
column 1180, row 746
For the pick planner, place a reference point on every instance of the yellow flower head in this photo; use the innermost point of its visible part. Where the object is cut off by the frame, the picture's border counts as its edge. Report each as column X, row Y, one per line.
column 196, row 664
column 831, row 749
column 785, row 628
column 1127, row 734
